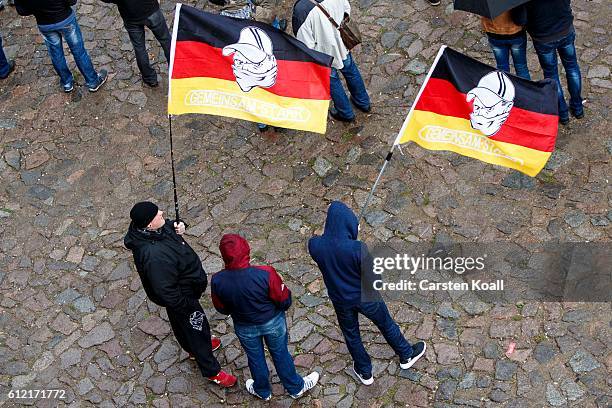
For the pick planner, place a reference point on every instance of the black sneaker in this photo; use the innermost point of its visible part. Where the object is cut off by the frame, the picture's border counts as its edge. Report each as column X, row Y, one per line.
column 334, row 114
column 11, row 65
column 151, row 84
column 366, row 110
column 418, row 349
column 577, row 115
column 564, row 121
column 365, row 380
column 434, row 2
column 102, row 77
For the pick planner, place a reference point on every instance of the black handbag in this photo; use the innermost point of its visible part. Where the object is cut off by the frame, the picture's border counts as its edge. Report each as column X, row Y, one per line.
column 349, row 31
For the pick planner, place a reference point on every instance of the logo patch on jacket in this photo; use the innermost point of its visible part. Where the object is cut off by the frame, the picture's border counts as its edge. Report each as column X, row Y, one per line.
column 196, row 319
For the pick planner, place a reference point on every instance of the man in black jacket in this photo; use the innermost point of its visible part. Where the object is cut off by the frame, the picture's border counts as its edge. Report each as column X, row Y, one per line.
column 172, row 276
column 56, row 20
column 550, row 25
column 137, row 14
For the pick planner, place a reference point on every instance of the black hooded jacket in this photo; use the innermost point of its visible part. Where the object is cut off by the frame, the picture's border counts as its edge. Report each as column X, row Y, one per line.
column 135, row 11
column 170, row 270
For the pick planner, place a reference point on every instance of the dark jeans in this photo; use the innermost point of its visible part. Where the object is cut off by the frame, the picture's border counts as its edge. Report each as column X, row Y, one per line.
column 274, row 332
column 378, row 313
column 70, row 31
column 157, row 24
column 4, row 66
column 517, row 46
column 356, row 87
column 547, row 54
column 195, row 340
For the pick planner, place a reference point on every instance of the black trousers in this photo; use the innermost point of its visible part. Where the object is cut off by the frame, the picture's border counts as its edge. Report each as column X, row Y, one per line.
column 157, row 24
column 193, row 334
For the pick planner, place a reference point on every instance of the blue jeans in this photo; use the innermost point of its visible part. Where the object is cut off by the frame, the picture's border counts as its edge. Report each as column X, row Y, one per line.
column 378, row 313
column 274, row 332
column 69, row 30
column 4, row 66
column 356, row 87
column 547, row 54
column 502, row 48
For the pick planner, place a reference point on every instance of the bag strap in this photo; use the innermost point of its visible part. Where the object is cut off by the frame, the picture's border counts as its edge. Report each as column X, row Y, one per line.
column 326, row 13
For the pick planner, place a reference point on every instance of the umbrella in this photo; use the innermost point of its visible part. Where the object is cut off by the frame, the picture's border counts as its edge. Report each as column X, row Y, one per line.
column 487, row 8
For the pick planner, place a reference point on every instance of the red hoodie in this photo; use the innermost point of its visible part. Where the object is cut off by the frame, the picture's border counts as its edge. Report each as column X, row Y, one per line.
column 251, row 294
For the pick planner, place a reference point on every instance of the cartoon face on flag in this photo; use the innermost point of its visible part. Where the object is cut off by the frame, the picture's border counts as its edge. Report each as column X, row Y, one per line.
column 254, row 62
column 493, row 99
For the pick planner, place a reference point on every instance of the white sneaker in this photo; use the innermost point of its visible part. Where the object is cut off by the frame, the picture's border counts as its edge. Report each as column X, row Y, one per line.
column 309, row 382
column 364, row 381
column 249, row 386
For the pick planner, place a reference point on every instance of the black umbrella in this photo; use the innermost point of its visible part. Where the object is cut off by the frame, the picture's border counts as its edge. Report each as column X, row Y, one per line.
column 487, row 8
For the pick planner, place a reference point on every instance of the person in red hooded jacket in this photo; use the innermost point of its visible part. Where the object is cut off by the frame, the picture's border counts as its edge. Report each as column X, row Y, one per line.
column 257, row 298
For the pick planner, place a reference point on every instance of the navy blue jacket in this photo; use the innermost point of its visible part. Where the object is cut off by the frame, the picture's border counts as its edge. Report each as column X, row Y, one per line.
column 549, row 20
column 340, row 256
column 252, row 295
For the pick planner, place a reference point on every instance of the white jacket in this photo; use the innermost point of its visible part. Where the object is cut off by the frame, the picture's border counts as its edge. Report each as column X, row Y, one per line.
column 315, row 30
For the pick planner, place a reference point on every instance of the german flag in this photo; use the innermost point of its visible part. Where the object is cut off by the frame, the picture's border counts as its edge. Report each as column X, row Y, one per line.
column 247, row 70
column 475, row 110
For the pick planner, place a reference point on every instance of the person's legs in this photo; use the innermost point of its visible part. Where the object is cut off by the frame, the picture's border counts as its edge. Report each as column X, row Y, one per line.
column 501, row 52
column 349, row 324
column 518, row 49
column 157, row 24
column 196, row 337
column 567, row 52
column 251, row 340
column 378, row 313
column 4, row 65
column 342, row 105
column 276, row 340
column 355, row 84
column 547, row 55
column 53, row 41
column 137, row 37
column 72, row 33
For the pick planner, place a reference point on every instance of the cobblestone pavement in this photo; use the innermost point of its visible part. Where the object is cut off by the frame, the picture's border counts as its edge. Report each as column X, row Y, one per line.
column 73, row 314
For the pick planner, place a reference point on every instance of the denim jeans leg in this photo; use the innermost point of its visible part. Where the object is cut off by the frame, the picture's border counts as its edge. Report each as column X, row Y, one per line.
column 349, row 324
column 74, row 38
column 501, row 52
column 252, row 343
column 341, row 101
column 547, row 55
column 4, row 66
column 519, row 57
column 277, row 340
column 157, row 24
column 378, row 313
column 567, row 52
column 53, row 41
column 355, row 84
column 137, row 37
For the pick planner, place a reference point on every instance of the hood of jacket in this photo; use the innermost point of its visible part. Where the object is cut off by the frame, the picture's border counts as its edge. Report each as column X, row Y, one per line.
column 137, row 237
column 341, row 222
column 235, row 251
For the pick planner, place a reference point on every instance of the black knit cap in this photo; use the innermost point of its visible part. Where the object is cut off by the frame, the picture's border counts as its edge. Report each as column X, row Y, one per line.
column 143, row 213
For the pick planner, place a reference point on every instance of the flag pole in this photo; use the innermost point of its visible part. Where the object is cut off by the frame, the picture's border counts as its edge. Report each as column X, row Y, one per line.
column 399, row 134
column 371, row 194
column 176, row 206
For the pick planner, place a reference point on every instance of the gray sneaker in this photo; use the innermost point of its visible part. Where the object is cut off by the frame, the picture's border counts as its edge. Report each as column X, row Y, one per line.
column 102, row 77
column 251, row 389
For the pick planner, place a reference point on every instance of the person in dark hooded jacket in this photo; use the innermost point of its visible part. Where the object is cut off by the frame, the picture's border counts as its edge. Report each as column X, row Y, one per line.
column 257, row 298
column 341, row 259
column 172, row 277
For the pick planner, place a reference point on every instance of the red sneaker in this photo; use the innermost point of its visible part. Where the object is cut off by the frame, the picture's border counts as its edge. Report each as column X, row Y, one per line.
column 216, row 343
column 224, row 379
